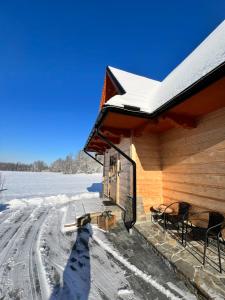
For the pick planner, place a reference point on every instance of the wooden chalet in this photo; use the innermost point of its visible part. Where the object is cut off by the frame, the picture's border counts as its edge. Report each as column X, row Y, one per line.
column 165, row 141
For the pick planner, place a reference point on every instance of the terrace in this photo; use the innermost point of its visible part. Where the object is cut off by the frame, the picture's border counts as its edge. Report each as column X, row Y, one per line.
column 187, row 262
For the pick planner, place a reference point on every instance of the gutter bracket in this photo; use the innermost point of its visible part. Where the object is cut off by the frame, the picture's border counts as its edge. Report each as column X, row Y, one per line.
column 93, row 157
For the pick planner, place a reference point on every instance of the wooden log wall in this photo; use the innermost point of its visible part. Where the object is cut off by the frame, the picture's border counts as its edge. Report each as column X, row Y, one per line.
column 193, row 163
column 149, row 176
column 178, row 165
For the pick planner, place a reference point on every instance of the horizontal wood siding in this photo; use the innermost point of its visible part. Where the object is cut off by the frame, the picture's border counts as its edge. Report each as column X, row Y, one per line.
column 149, row 175
column 193, row 163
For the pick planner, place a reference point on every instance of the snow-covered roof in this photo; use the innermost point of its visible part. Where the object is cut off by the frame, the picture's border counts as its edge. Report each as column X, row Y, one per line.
column 150, row 94
column 137, row 88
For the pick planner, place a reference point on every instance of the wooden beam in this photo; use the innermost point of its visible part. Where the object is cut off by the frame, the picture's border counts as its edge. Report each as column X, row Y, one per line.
column 113, row 139
column 144, row 127
column 97, row 144
column 97, row 149
column 100, row 145
column 118, row 132
column 180, row 120
column 97, row 139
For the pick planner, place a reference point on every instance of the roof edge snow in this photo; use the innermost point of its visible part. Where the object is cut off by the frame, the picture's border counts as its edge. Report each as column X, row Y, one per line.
column 209, row 55
column 149, row 95
column 136, row 87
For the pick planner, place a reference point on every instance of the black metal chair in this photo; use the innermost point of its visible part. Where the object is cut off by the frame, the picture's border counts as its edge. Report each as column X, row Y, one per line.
column 178, row 217
column 212, row 230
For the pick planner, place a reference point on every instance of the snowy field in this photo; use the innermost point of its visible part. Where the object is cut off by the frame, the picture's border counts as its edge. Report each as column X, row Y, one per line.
column 33, row 184
column 40, row 260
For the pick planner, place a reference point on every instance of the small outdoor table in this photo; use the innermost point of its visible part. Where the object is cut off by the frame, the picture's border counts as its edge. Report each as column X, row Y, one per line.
column 162, row 209
column 158, row 210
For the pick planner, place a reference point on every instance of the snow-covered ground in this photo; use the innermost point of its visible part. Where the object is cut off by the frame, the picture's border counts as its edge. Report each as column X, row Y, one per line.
column 33, row 184
column 40, row 260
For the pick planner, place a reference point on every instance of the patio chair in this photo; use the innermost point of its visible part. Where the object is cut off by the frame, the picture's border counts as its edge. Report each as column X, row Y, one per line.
column 212, row 229
column 178, row 217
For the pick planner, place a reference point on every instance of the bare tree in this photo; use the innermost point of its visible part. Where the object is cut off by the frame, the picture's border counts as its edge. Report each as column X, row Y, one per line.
column 68, row 164
column 81, row 163
column 57, row 165
column 39, row 166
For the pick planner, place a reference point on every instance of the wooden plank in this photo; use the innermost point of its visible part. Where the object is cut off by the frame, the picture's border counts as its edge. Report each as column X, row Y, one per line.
column 200, row 201
column 211, row 121
column 216, row 168
column 216, row 181
column 194, row 163
column 199, row 190
column 149, row 177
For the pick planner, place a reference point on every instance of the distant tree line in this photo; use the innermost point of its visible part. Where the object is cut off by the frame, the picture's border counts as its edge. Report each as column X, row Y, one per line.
column 36, row 166
column 81, row 163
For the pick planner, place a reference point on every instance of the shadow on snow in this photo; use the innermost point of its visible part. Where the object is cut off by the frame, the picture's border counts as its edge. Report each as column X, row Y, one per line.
column 76, row 276
column 95, row 187
column 3, row 207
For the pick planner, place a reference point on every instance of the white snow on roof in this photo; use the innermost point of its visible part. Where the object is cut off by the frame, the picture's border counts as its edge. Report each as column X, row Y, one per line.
column 149, row 94
column 137, row 89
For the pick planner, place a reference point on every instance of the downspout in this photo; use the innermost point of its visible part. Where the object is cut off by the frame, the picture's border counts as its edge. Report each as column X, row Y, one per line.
column 93, row 157
column 131, row 223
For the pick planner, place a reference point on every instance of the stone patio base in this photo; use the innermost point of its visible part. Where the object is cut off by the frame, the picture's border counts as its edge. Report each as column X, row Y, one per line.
column 187, row 262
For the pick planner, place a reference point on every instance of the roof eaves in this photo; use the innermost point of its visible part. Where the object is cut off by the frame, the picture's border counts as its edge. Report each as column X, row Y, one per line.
column 195, row 87
column 203, row 82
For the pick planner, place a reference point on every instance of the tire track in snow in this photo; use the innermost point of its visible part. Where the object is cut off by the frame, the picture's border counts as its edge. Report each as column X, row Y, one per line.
column 9, row 248
column 9, row 232
column 33, row 269
column 11, row 237
column 20, row 248
column 24, row 253
column 4, row 216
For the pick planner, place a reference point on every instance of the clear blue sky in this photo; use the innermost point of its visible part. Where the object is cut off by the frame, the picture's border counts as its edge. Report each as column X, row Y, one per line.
column 53, row 56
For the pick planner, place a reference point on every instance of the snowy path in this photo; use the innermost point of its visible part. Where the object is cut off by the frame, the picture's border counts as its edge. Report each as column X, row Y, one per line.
column 38, row 260
column 18, row 272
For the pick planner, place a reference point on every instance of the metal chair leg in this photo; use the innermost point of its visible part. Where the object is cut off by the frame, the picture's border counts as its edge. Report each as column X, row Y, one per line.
column 205, row 247
column 219, row 256
column 182, row 234
column 185, row 235
column 165, row 222
column 152, row 218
